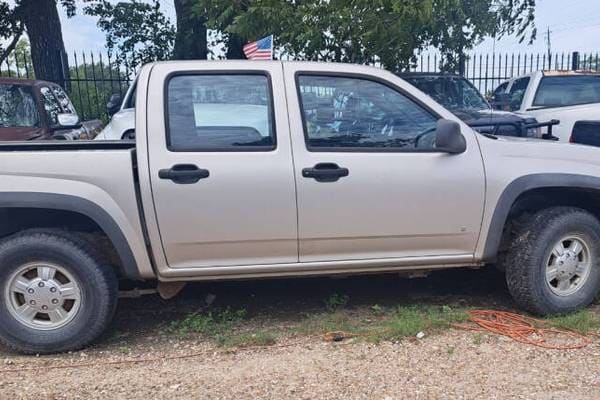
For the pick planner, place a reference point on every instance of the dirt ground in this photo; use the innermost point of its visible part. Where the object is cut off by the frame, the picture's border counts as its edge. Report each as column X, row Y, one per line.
column 452, row 364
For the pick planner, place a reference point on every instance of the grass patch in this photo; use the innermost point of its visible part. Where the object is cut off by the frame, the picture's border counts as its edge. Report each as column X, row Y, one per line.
column 320, row 323
column 223, row 328
column 410, row 320
column 209, row 324
column 377, row 323
column 583, row 322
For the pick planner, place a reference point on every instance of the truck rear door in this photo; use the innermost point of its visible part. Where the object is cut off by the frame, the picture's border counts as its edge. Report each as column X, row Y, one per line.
column 371, row 183
column 220, row 164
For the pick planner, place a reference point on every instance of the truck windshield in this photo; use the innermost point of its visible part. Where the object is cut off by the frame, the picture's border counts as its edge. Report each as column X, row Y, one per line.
column 454, row 93
column 17, row 107
column 562, row 91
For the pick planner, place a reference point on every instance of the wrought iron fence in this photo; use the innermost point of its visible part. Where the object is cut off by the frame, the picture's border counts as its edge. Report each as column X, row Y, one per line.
column 487, row 71
column 94, row 77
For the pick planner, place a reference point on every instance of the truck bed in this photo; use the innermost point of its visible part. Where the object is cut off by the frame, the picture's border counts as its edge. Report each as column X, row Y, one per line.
column 101, row 172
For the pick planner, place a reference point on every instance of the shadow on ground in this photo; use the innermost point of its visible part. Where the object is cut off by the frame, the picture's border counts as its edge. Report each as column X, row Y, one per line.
column 278, row 300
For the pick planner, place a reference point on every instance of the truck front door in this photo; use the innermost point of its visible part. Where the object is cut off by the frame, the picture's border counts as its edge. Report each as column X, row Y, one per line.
column 220, row 165
column 371, row 182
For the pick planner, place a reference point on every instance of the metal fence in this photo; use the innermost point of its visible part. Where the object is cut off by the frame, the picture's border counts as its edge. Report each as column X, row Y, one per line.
column 94, row 77
column 487, row 71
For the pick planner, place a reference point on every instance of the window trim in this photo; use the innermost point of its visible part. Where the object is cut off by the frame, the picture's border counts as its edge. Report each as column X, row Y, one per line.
column 314, row 149
column 238, row 149
column 538, row 107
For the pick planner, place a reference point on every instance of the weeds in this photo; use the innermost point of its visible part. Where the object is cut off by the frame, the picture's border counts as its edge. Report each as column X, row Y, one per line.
column 209, row 324
column 582, row 322
column 377, row 309
column 410, row 320
column 336, row 301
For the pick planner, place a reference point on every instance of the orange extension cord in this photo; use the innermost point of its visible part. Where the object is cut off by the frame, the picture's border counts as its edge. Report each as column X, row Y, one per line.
column 523, row 329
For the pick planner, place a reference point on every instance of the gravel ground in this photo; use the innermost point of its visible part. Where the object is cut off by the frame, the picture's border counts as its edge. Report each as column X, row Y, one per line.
column 450, row 365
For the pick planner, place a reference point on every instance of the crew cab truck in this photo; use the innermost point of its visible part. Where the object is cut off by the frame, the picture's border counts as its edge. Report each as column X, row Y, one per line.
column 252, row 169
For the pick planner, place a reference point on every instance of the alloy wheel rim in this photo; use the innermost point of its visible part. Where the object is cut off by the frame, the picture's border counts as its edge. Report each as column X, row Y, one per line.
column 568, row 266
column 43, row 296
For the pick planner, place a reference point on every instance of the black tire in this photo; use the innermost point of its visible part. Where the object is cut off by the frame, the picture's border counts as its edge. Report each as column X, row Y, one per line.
column 525, row 261
column 97, row 283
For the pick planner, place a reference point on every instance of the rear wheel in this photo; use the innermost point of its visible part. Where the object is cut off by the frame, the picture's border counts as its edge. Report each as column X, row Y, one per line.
column 57, row 293
column 552, row 265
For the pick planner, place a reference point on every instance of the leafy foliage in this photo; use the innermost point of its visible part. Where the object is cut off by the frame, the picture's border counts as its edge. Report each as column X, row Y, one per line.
column 40, row 19
column 138, row 32
column 363, row 31
column 19, row 61
column 458, row 25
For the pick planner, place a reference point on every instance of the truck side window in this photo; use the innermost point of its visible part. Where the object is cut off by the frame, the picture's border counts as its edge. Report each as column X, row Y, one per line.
column 517, row 92
column 220, row 112
column 561, row 91
column 341, row 112
column 51, row 105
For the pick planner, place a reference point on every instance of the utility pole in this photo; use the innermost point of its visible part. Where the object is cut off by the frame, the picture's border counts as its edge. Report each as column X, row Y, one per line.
column 549, row 43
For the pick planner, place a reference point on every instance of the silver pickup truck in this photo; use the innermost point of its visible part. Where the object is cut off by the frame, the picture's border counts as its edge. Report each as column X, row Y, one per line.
column 272, row 169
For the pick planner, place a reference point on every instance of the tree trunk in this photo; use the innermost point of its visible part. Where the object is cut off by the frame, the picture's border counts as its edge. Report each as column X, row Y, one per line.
column 235, row 48
column 190, row 41
column 45, row 36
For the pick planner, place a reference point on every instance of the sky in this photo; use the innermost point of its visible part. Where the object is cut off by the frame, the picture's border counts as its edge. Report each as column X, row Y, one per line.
column 574, row 26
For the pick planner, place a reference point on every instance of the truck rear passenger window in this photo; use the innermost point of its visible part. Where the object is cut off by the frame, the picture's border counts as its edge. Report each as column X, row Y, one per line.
column 347, row 113
column 220, row 112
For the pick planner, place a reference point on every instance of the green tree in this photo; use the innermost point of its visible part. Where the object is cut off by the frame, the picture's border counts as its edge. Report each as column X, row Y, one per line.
column 458, row 25
column 39, row 19
column 136, row 32
column 190, row 40
column 363, row 31
column 19, row 61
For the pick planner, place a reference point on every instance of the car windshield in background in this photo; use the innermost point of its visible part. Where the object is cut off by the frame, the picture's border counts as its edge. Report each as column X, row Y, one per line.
column 451, row 92
column 562, row 91
column 17, row 107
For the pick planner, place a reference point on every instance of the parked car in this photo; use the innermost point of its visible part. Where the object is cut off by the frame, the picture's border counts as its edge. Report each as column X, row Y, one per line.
column 459, row 95
column 567, row 96
column 122, row 113
column 330, row 169
column 35, row 109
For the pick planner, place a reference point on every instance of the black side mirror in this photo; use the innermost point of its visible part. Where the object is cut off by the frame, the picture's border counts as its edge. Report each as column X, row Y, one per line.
column 448, row 137
column 114, row 104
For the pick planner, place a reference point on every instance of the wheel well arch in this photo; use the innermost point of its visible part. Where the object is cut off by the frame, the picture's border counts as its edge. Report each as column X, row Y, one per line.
column 535, row 192
column 26, row 210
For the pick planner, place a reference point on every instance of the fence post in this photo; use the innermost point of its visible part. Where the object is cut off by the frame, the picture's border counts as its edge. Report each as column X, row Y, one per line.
column 575, row 61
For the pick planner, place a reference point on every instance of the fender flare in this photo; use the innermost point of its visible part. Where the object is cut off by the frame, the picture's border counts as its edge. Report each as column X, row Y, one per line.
column 81, row 206
column 518, row 187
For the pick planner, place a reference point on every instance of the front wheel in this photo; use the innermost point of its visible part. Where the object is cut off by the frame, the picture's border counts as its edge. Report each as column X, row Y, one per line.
column 552, row 265
column 57, row 294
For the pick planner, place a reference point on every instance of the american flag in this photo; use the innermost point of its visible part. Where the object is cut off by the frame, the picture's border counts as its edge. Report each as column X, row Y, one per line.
column 260, row 50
